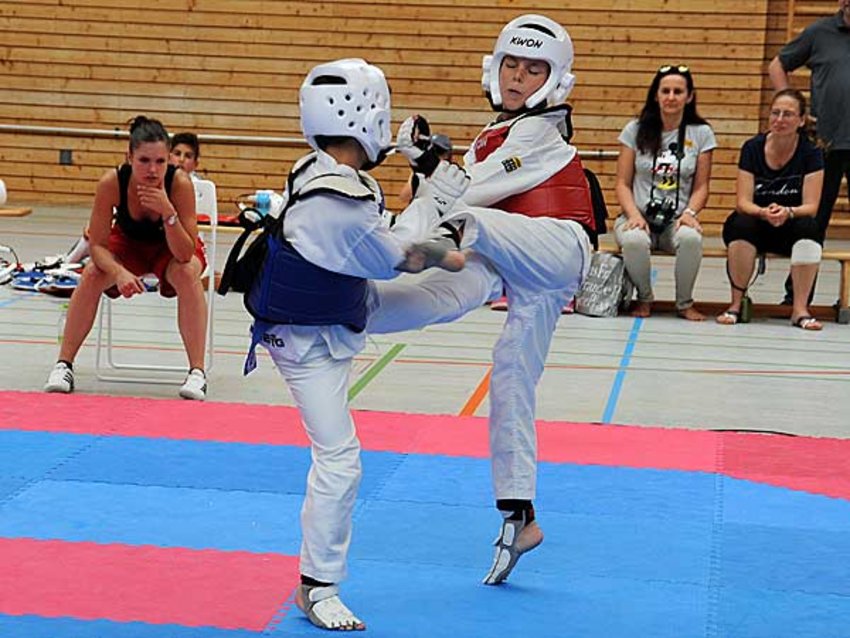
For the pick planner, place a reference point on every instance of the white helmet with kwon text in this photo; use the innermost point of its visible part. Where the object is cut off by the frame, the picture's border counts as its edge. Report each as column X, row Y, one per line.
column 534, row 37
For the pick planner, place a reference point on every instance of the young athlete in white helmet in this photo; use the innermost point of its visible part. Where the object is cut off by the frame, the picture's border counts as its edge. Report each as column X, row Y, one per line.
column 528, row 218
column 309, row 300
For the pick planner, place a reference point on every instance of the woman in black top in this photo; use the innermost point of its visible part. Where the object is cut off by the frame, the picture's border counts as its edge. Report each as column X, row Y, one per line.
column 142, row 221
column 780, row 176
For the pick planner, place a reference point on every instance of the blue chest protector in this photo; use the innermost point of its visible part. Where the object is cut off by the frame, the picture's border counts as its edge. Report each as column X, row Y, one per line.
column 291, row 290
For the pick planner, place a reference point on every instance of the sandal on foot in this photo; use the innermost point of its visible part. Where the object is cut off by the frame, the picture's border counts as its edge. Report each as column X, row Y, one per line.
column 807, row 322
column 325, row 610
column 515, row 539
column 728, row 317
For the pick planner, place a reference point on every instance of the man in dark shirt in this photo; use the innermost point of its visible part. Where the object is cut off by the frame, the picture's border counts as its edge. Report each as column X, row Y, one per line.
column 824, row 47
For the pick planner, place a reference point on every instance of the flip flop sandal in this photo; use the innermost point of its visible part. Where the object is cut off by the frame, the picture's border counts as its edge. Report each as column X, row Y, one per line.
column 325, row 610
column 807, row 322
column 728, row 314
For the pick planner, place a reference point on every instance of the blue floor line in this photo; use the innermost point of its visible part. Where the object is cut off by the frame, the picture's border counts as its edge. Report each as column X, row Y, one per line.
column 9, row 302
column 614, row 396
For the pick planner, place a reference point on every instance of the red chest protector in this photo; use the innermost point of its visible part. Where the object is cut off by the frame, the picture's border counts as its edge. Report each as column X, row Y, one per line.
column 565, row 195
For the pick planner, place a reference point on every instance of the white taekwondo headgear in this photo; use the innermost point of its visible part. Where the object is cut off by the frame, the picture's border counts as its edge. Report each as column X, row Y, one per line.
column 538, row 38
column 347, row 98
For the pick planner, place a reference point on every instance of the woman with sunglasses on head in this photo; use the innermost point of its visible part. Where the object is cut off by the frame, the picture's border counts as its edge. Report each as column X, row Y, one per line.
column 663, row 173
column 780, row 176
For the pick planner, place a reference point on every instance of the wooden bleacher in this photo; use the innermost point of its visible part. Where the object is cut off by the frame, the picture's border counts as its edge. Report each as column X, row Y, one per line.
column 227, row 68
column 841, row 312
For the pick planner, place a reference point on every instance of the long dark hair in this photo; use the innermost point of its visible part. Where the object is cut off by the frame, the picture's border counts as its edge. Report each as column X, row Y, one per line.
column 650, row 125
column 144, row 129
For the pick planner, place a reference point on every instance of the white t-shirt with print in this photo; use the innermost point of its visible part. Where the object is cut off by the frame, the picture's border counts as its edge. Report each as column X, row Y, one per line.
column 661, row 171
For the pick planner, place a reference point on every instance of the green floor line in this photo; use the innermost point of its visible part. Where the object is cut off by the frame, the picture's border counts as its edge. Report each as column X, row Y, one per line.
column 374, row 370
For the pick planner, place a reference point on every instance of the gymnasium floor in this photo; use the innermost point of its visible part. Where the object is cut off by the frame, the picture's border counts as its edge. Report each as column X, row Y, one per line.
column 125, row 512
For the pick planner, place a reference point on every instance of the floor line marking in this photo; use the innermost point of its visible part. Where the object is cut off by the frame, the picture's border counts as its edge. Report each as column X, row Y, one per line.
column 8, row 302
column 374, row 370
column 477, row 397
column 617, row 386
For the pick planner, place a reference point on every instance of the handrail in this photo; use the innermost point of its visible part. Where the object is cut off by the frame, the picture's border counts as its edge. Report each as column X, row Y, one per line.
column 117, row 133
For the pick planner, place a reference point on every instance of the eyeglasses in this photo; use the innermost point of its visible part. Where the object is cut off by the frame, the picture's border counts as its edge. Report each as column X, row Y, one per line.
column 783, row 114
column 673, row 68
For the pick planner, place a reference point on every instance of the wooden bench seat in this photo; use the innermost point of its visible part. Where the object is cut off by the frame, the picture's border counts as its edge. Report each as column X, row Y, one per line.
column 842, row 312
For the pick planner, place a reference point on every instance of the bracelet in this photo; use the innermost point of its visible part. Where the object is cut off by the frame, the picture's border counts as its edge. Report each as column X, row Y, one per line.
column 170, row 221
column 690, row 211
column 790, row 212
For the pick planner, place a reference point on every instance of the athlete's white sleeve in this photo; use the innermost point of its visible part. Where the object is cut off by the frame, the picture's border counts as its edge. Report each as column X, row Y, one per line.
column 533, row 151
column 417, row 222
column 343, row 235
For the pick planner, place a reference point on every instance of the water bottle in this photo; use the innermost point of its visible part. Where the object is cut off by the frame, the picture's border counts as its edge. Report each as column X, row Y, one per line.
column 746, row 309
column 263, row 200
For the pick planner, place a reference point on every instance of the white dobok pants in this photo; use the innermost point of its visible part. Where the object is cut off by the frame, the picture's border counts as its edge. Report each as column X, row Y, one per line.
column 540, row 262
column 319, row 385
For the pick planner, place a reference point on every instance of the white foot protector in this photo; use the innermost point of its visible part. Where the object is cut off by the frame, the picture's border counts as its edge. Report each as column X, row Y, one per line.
column 325, row 610
column 515, row 539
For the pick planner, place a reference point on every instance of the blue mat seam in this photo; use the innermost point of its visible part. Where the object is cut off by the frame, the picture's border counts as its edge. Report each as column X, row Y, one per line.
column 715, row 576
column 283, row 611
column 210, row 488
column 92, row 442
column 379, row 487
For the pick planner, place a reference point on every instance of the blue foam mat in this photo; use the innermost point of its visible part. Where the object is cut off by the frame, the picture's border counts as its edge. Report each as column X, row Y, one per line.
column 590, row 489
column 628, row 552
column 401, row 600
column 763, row 613
column 207, row 465
column 169, row 517
column 40, row 627
column 33, row 454
column 440, row 536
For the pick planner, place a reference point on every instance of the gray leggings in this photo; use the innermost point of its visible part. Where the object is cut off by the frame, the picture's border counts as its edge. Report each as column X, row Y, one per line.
column 684, row 242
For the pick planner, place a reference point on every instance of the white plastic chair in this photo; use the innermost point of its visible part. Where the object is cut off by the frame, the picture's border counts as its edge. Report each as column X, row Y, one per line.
column 129, row 372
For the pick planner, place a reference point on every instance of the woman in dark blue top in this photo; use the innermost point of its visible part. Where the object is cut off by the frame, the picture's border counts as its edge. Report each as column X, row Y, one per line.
column 780, row 176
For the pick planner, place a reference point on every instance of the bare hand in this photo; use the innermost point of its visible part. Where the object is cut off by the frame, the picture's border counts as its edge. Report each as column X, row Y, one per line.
column 690, row 221
column 155, row 199
column 776, row 215
column 638, row 221
column 128, row 284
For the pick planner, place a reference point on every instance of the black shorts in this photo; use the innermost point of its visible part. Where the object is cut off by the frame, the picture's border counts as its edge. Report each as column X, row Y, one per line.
column 767, row 238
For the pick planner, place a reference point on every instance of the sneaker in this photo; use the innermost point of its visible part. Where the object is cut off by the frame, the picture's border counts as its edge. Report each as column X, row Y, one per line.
column 61, row 379
column 195, row 385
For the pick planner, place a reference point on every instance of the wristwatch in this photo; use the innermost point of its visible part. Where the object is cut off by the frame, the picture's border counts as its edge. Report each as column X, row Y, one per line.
column 691, row 212
column 171, row 220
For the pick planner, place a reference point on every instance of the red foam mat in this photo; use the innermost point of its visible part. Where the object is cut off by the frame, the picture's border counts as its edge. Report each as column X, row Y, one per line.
column 817, row 465
column 229, row 590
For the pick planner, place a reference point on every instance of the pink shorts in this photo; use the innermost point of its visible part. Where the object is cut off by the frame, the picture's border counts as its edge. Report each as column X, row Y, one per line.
column 141, row 258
